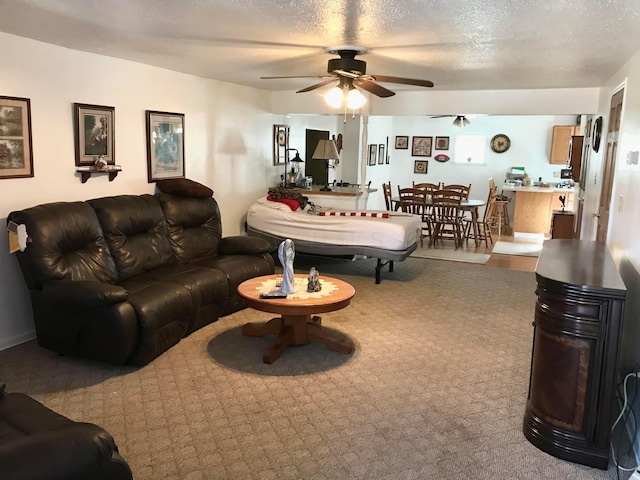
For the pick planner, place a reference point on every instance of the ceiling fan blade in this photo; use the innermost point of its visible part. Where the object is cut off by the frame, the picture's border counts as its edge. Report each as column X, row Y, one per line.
column 318, row 85
column 299, row 76
column 373, row 87
column 405, row 81
column 442, row 116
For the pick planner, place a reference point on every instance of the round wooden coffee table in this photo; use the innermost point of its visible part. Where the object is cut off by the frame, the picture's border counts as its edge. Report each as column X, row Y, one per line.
column 297, row 324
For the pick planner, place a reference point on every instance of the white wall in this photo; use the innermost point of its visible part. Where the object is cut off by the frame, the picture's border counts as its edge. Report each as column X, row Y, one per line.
column 227, row 141
column 530, row 137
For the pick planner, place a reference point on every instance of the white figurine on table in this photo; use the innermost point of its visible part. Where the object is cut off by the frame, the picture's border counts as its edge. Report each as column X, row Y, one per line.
column 286, row 254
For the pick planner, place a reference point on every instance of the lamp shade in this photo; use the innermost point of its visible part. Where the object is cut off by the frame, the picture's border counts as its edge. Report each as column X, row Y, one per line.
column 326, row 150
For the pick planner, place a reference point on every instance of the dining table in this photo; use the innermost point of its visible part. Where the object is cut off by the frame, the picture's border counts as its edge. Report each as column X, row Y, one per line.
column 470, row 205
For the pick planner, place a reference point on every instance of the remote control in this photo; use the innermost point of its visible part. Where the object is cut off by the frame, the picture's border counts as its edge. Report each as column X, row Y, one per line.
column 273, row 295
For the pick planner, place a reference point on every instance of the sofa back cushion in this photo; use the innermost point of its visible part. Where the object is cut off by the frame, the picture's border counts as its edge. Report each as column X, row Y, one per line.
column 136, row 232
column 193, row 224
column 65, row 242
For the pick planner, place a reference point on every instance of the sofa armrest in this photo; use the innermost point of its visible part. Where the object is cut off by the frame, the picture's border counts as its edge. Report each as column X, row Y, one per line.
column 81, row 450
column 84, row 292
column 239, row 245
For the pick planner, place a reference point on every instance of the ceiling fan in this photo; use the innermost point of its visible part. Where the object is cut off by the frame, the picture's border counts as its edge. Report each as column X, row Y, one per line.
column 351, row 72
column 459, row 121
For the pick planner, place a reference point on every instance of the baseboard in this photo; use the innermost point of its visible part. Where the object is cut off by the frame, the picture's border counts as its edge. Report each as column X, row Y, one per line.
column 17, row 340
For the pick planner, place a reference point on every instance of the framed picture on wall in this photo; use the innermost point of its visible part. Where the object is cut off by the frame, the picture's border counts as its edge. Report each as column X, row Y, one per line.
column 442, row 143
column 94, row 134
column 373, row 150
column 421, row 146
column 402, row 143
column 420, row 166
column 165, row 145
column 381, row 150
column 16, row 156
column 280, row 144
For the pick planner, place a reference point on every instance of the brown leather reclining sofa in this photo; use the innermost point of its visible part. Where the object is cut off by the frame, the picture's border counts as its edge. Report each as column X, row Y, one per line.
column 36, row 443
column 122, row 279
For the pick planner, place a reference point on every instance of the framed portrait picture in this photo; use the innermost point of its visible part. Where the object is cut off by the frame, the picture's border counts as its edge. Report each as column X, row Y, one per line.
column 442, row 143
column 280, row 144
column 421, row 146
column 165, row 145
column 402, row 143
column 373, row 150
column 16, row 155
column 94, row 134
column 381, row 149
column 420, row 166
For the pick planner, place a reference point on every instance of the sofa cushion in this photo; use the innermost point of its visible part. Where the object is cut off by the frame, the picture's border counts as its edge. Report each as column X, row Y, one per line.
column 65, row 242
column 135, row 229
column 184, row 187
column 193, row 225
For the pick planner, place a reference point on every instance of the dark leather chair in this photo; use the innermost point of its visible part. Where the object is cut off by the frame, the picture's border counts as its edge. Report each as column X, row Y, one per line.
column 37, row 443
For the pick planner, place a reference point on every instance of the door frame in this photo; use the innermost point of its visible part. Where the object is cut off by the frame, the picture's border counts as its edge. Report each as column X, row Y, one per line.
column 609, row 161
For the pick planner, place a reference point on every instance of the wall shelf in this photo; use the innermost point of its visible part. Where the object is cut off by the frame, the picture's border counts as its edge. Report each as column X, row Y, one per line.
column 87, row 172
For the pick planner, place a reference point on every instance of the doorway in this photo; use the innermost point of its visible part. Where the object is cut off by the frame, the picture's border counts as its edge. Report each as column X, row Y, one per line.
column 609, row 164
column 318, row 169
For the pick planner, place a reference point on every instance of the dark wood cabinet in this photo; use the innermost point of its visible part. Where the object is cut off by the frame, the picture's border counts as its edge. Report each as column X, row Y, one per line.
column 562, row 224
column 578, row 320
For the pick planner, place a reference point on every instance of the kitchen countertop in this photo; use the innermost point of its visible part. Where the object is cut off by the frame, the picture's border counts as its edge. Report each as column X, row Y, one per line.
column 512, row 188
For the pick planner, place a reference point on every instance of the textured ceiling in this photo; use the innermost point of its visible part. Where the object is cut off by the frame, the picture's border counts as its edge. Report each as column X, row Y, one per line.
column 459, row 45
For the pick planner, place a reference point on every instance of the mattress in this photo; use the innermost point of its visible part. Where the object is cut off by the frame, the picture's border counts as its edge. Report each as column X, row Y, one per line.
column 397, row 232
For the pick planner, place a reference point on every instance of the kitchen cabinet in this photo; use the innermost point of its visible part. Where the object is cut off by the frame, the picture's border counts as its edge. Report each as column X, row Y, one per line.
column 560, row 143
column 562, row 224
column 534, row 206
column 576, row 341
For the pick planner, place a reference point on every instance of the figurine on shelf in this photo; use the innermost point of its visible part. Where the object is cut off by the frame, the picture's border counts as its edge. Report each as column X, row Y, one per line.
column 313, row 284
column 100, row 164
column 562, row 200
column 286, row 254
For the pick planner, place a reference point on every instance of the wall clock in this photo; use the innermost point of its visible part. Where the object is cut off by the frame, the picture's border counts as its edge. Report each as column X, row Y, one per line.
column 597, row 133
column 500, row 143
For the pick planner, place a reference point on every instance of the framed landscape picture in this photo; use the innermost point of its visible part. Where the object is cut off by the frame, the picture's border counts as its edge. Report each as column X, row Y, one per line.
column 94, row 133
column 402, row 143
column 165, row 145
column 16, row 156
column 373, row 150
column 442, row 143
column 421, row 147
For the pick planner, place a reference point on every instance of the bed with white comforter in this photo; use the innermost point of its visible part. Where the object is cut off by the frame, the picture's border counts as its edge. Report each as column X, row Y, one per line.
column 387, row 236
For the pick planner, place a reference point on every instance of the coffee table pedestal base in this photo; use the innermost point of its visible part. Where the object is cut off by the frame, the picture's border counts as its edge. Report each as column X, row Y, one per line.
column 295, row 330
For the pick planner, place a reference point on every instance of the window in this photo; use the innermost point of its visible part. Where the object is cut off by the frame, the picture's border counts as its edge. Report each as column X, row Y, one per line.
column 470, row 149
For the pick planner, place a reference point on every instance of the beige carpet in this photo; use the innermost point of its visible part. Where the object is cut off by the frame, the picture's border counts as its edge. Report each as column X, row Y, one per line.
column 451, row 255
column 527, row 249
column 436, row 388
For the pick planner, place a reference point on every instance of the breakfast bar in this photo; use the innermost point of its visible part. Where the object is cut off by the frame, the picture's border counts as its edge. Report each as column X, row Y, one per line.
column 533, row 207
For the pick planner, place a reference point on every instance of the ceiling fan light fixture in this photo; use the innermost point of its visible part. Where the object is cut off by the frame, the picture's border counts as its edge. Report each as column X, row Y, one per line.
column 461, row 121
column 334, row 97
column 355, row 99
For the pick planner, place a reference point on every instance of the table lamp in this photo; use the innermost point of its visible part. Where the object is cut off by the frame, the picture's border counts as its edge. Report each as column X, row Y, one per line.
column 291, row 178
column 326, row 150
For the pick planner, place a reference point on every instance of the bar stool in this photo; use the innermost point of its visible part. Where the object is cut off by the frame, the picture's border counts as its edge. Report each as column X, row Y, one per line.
column 500, row 217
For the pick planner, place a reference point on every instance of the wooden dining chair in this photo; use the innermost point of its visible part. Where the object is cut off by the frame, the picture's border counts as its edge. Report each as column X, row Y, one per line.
column 428, row 187
column 481, row 231
column 414, row 201
column 389, row 202
column 446, row 217
column 463, row 189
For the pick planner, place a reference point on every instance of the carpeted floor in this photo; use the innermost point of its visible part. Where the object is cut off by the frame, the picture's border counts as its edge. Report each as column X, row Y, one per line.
column 436, row 388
